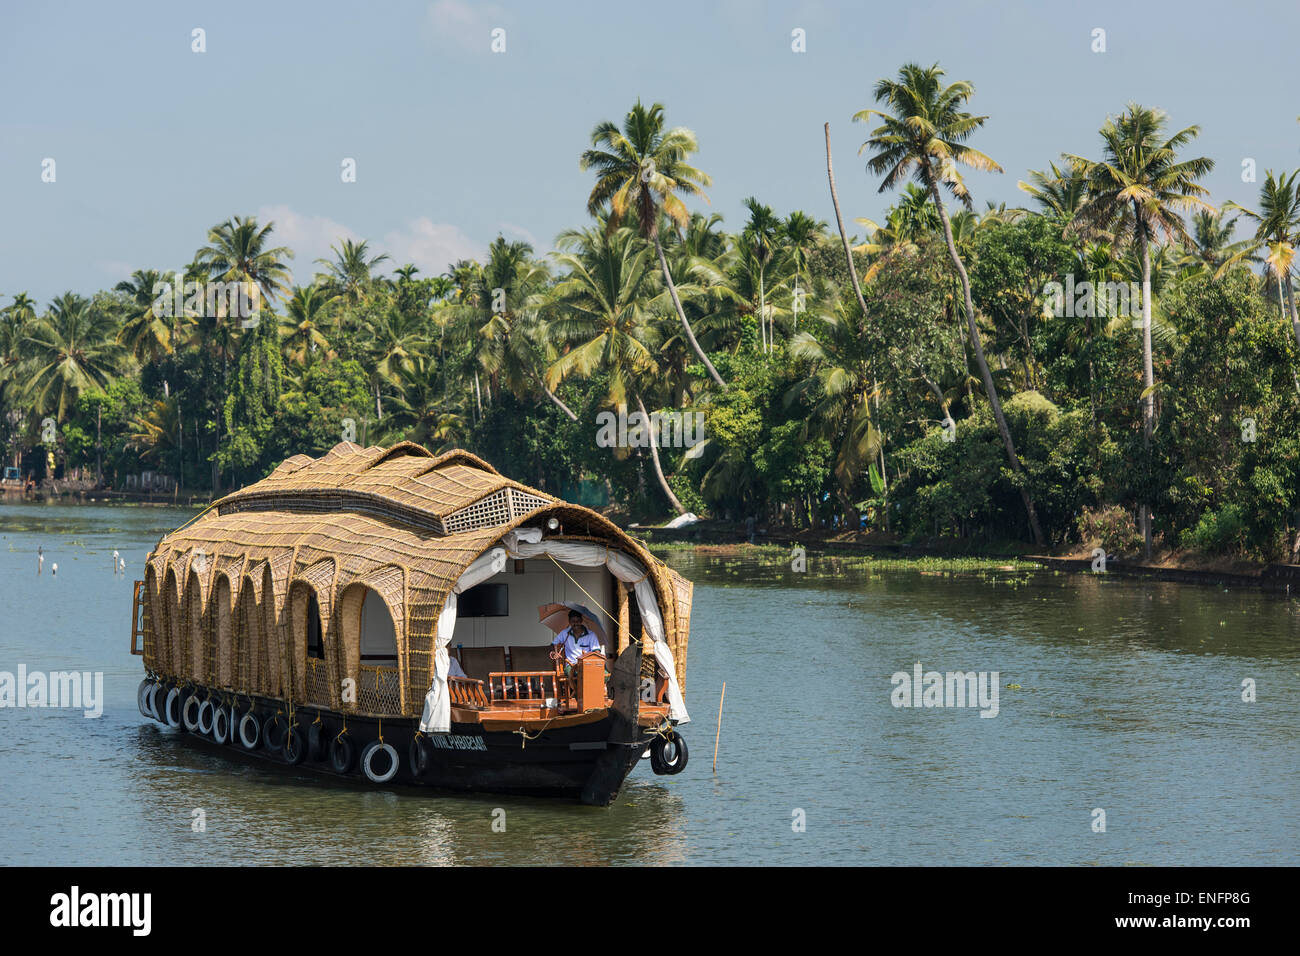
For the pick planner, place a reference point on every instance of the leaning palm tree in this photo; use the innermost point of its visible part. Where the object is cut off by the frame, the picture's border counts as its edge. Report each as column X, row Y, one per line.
column 1278, row 231
column 71, row 350
column 601, row 322
column 640, row 170
column 922, row 134
column 1137, row 191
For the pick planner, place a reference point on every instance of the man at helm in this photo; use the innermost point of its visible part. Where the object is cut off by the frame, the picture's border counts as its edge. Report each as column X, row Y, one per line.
column 575, row 641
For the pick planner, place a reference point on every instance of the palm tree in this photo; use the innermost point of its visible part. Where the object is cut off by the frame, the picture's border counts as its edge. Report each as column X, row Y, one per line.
column 1059, row 195
column 907, row 221
column 640, row 170
column 349, row 273
column 156, row 433
column 500, row 317
column 840, row 390
column 147, row 335
column 72, row 349
column 237, row 251
column 923, row 134
column 1136, row 191
column 601, row 320
column 801, row 233
column 394, row 339
column 21, row 310
column 300, row 334
column 1278, row 231
column 761, row 234
column 1212, row 250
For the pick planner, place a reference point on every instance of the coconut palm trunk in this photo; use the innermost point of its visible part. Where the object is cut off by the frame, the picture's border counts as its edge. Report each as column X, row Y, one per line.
column 1148, row 370
column 654, row 456
column 1295, row 320
column 681, row 313
column 554, row 398
column 839, row 221
column 985, row 375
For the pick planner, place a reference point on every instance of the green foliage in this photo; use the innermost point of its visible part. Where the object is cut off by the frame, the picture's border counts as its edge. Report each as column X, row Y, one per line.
column 1111, row 526
column 1219, row 531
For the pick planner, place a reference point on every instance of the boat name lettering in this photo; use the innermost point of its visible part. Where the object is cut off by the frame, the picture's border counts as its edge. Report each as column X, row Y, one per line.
column 456, row 742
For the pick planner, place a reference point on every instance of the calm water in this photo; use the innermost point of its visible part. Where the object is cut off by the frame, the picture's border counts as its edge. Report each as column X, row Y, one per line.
column 1129, row 700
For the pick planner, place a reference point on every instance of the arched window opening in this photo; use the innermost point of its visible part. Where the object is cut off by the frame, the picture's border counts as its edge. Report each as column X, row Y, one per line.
column 378, row 636
column 315, row 642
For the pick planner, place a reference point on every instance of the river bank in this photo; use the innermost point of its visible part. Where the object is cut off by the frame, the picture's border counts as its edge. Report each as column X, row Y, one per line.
column 952, row 554
column 728, row 539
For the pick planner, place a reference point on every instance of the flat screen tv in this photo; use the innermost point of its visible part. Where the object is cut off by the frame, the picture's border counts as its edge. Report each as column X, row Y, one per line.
column 484, row 600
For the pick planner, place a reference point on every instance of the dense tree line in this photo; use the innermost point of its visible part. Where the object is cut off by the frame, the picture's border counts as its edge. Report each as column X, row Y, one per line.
column 1111, row 364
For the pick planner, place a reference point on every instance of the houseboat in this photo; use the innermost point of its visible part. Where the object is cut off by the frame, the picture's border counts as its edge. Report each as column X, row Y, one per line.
column 389, row 615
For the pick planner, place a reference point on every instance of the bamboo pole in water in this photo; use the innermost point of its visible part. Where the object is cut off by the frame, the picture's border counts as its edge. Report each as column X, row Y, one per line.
column 718, row 737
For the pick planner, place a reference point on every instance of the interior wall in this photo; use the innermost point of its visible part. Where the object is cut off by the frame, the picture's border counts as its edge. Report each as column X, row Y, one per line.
column 541, row 583
column 378, row 636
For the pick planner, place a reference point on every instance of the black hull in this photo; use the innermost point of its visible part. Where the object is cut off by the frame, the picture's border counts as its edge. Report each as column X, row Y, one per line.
column 575, row 762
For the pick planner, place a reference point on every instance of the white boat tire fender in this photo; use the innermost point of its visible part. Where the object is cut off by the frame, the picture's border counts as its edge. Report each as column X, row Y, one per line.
column 172, row 708
column 368, row 757
column 221, row 725
column 207, row 710
column 190, row 713
column 250, row 731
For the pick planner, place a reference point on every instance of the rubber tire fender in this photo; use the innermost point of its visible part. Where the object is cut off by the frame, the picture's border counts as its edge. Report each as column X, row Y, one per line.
column 273, row 733
column 342, row 754
column 417, row 756
column 657, row 761
column 368, row 755
column 157, row 700
column 146, row 686
column 207, row 710
column 173, row 703
column 221, row 727
column 250, row 720
column 318, row 745
column 295, row 746
column 191, row 723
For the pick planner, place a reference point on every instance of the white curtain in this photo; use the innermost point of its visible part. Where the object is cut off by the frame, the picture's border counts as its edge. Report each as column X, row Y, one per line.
column 528, row 543
column 437, row 702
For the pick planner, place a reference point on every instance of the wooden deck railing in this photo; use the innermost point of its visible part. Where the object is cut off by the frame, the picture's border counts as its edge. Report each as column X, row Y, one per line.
column 529, row 686
column 466, row 692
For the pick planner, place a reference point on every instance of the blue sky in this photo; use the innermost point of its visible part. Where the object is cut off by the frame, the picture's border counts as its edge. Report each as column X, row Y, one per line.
column 154, row 143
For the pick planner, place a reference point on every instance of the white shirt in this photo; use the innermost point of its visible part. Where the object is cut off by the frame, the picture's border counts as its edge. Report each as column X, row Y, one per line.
column 574, row 648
